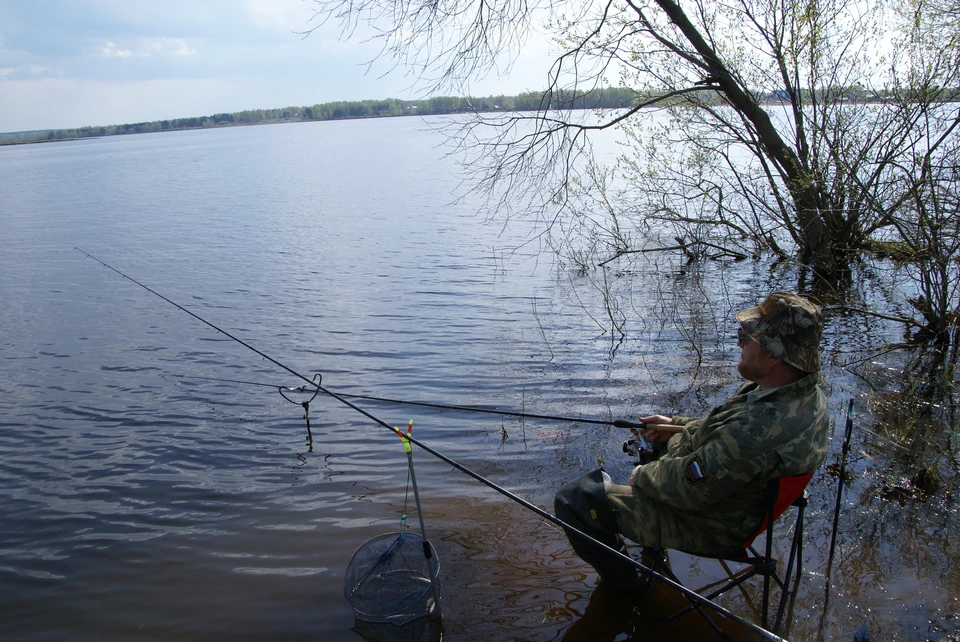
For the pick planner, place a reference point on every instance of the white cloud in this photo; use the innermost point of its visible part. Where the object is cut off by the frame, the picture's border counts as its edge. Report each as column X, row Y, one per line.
column 110, row 51
column 147, row 47
column 184, row 50
column 25, row 72
column 171, row 46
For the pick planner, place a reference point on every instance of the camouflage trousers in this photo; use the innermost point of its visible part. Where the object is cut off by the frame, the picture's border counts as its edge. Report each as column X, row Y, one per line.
column 623, row 511
column 583, row 504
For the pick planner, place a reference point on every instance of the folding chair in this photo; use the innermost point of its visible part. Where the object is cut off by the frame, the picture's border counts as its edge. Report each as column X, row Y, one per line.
column 782, row 493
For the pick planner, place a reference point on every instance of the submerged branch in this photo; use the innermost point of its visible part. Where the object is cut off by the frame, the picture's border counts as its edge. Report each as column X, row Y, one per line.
column 683, row 246
column 889, row 317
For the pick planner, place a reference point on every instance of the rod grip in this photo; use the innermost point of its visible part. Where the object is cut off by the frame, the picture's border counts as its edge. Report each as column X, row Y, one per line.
column 623, row 423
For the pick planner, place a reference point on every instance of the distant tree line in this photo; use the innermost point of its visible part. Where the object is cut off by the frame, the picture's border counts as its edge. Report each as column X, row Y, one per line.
column 530, row 101
column 610, row 98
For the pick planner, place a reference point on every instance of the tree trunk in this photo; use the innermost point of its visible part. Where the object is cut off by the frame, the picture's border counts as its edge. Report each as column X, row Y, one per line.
column 817, row 244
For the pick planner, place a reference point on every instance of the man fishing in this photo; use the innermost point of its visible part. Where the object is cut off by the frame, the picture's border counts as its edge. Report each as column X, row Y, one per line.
column 705, row 493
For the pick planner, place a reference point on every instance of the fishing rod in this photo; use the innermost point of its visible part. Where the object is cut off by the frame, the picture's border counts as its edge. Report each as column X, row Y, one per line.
column 841, row 474
column 848, row 431
column 570, row 530
column 617, row 423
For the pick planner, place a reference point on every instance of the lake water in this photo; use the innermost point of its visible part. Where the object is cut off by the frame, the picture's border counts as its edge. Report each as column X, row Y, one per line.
column 145, row 493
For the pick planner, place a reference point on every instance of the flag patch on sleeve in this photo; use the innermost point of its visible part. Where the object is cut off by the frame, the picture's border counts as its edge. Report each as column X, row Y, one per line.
column 695, row 472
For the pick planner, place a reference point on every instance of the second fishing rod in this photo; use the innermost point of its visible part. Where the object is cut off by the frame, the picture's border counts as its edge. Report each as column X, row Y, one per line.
column 636, row 446
column 617, row 423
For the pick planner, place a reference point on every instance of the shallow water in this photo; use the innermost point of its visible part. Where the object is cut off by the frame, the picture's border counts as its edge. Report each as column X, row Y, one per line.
column 144, row 495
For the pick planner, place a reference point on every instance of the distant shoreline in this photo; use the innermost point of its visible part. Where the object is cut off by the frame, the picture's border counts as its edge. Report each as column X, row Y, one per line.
column 618, row 98
column 4, row 143
column 38, row 142
column 341, row 110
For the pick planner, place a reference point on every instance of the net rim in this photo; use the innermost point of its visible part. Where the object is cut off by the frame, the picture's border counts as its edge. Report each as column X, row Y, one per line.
column 407, row 610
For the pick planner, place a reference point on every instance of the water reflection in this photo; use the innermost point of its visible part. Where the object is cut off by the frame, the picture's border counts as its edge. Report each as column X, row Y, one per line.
column 642, row 615
column 419, row 630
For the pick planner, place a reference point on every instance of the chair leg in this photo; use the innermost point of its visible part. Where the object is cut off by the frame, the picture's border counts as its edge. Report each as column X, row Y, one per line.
column 766, row 601
column 660, row 560
column 800, row 542
column 796, row 553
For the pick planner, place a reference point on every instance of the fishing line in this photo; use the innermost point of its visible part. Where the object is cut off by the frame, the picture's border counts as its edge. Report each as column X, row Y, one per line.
column 618, row 423
column 249, row 383
column 570, row 530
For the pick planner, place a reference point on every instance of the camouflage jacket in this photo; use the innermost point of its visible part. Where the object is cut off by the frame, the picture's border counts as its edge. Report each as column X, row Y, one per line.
column 706, row 492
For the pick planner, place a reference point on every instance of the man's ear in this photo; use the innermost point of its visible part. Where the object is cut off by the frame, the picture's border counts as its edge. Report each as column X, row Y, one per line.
column 793, row 371
column 777, row 362
column 774, row 360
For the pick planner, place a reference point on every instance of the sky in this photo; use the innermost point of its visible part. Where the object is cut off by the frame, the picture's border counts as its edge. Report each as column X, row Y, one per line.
column 72, row 63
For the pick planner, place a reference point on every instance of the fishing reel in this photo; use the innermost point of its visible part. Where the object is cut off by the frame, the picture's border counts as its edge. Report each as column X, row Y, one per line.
column 638, row 448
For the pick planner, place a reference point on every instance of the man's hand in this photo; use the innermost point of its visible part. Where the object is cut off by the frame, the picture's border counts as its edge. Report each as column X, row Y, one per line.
column 656, row 436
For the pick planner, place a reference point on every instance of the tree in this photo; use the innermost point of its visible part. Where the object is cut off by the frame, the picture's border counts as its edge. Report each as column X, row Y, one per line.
column 921, row 195
column 790, row 126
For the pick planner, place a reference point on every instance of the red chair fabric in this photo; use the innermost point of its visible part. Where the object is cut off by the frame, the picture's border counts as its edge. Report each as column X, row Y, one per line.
column 789, row 489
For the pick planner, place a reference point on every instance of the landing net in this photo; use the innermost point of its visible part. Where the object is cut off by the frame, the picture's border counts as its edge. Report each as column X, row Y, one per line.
column 389, row 579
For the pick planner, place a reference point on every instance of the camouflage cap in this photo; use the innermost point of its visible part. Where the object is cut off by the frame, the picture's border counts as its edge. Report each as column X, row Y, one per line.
column 788, row 327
